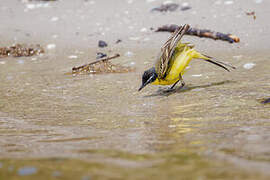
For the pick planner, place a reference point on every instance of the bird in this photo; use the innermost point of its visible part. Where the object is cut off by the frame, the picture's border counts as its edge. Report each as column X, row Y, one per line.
column 173, row 59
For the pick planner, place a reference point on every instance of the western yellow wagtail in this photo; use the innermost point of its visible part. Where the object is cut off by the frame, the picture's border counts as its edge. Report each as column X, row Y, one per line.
column 173, row 60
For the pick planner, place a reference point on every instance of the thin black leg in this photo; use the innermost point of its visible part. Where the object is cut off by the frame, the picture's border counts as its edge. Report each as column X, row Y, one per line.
column 182, row 81
column 182, row 84
column 174, row 84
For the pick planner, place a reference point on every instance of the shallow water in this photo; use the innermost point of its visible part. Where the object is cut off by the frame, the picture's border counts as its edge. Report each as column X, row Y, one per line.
column 100, row 127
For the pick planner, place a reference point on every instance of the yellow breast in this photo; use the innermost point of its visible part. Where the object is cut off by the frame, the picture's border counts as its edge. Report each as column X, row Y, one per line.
column 178, row 64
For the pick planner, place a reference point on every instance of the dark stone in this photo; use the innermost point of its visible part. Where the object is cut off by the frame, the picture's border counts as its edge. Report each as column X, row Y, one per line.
column 102, row 44
column 184, row 8
column 101, row 55
column 118, row 41
column 166, row 7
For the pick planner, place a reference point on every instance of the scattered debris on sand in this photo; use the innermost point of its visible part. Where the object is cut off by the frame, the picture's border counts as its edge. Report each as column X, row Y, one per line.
column 19, row 50
column 100, row 66
column 170, row 7
column 201, row 33
column 252, row 13
column 185, row 8
column 166, row 7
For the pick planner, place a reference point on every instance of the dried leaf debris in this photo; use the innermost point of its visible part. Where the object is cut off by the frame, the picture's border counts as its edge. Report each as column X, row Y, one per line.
column 19, row 50
column 252, row 13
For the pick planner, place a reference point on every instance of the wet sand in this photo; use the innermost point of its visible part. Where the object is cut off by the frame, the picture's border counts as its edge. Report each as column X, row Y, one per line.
column 99, row 126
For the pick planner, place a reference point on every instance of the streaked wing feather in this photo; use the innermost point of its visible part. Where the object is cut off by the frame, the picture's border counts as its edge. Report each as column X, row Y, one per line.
column 220, row 62
column 167, row 51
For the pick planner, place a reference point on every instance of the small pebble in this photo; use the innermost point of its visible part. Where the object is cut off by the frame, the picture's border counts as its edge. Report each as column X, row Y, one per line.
column 100, row 55
column 118, row 41
column 172, row 126
column 34, row 6
column 51, row 46
column 249, row 65
column 129, row 54
column 102, row 44
column 166, row 6
column 27, row 171
column 53, row 19
column 196, row 75
column 185, row 6
column 72, row 57
column 143, row 30
column 228, row 2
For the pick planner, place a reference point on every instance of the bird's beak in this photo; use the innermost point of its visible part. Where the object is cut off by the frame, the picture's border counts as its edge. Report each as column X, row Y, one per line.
column 147, row 82
column 142, row 86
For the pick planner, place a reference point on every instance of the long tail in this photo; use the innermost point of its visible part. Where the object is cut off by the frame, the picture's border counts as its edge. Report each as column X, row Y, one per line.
column 213, row 61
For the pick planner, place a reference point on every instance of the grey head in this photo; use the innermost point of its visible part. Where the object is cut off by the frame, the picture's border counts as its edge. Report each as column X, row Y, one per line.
column 148, row 76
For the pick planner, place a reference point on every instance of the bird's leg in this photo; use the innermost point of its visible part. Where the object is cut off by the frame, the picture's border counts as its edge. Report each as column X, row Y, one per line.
column 174, row 85
column 182, row 81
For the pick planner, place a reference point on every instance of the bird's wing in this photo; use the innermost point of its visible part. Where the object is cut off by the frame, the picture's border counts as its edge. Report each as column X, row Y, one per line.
column 167, row 51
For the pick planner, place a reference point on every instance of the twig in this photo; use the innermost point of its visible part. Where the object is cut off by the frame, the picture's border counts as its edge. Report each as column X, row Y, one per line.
column 85, row 66
column 202, row 33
